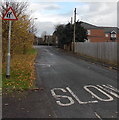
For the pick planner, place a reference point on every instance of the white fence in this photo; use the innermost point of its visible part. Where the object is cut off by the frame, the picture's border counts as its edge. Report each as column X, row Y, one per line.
column 105, row 51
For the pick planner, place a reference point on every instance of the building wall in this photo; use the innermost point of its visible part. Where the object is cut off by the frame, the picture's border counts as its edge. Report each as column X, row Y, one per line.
column 117, row 38
column 98, row 35
column 96, row 39
column 108, row 38
column 96, row 32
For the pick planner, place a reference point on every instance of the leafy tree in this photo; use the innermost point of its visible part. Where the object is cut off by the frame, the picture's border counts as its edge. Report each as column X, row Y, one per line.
column 65, row 33
column 68, row 31
column 22, row 30
column 81, row 33
column 59, row 32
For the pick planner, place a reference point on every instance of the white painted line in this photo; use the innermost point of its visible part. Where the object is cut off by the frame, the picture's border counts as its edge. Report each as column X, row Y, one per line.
column 47, row 65
column 80, row 102
column 51, row 54
column 89, row 86
column 109, row 91
column 111, row 87
column 58, row 97
column 97, row 116
column 46, row 50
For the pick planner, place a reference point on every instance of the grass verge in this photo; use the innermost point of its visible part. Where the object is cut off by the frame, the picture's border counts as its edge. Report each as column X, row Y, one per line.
column 22, row 72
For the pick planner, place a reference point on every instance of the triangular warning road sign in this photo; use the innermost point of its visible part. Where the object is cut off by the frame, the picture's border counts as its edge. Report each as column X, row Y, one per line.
column 10, row 15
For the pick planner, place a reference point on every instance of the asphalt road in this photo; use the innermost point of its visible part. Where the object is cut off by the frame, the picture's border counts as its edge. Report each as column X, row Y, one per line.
column 75, row 88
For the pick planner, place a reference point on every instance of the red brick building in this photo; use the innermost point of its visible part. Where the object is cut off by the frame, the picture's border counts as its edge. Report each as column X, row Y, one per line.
column 100, row 34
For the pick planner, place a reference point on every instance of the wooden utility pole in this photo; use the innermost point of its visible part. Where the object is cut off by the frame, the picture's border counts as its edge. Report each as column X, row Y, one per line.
column 71, row 20
column 74, row 37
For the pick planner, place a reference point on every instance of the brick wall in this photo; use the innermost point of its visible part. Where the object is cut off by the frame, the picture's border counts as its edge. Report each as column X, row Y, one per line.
column 98, row 35
column 97, row 32
column 96, row 39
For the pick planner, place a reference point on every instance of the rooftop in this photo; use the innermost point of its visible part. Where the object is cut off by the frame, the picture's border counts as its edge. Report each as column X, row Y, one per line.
column 106, row 29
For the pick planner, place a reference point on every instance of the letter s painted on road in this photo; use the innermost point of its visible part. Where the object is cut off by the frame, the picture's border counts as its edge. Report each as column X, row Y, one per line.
column 58, row 97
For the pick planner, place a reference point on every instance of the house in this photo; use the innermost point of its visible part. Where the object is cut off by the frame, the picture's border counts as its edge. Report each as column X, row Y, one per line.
column 49, row 40
column 38, row 41
column 100, row 34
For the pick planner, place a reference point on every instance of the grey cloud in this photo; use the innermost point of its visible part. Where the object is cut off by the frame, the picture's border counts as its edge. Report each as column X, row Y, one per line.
column 44, row 26
column 99, row 13
column 67, row 14
column 40, row 7
column 52, row 7
column 92, row 8
column 73, row 0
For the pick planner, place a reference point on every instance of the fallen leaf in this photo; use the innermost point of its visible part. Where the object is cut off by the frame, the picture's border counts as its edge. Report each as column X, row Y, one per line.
column 6, row 104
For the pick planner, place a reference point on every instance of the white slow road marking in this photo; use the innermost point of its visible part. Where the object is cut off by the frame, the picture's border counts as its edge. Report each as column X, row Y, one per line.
column 111, row 87
column 93, row 94
column 79, row 101
column 104, row 89
column 109, row 91
column 97, row 116
column 58, row 97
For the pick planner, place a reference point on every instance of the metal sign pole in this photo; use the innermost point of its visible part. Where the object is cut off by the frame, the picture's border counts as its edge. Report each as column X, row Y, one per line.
column 8, row 56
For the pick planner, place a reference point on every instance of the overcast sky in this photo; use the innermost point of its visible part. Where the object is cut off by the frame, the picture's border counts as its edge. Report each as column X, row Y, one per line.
column 49, row 14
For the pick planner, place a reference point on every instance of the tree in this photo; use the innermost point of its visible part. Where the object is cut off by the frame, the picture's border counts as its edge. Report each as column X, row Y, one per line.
column 81, row 33
column 22, row 30
column 65, row 33
column 59, row 32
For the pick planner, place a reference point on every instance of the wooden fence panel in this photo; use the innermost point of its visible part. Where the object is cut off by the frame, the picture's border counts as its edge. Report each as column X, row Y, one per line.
column 105, row 51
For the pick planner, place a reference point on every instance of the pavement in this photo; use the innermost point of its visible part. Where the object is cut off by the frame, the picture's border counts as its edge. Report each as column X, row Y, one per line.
column 69, row 87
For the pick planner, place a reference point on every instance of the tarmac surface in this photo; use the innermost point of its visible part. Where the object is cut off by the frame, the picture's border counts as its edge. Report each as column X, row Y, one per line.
column 69, row 87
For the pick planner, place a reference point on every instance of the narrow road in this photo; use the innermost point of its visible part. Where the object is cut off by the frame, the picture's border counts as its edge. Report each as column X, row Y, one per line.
column 76, row 88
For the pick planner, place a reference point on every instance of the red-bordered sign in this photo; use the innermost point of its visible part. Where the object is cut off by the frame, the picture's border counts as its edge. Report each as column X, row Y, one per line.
column 9, row 15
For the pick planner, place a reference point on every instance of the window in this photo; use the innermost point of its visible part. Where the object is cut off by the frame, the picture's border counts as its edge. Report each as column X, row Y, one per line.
column 113, row 35
column 88, row 32
column 106, row 35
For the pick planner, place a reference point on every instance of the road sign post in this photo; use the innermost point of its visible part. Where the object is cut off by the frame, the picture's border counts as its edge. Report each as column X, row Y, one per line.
column 8, row 55
column 9, row 15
